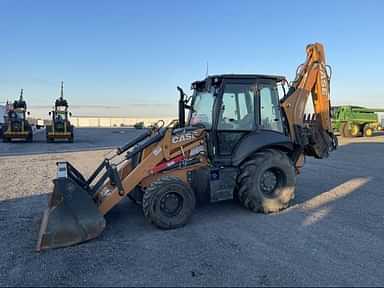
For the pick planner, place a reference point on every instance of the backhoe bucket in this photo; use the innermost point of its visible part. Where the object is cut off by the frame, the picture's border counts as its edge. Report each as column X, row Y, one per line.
column 72, row 216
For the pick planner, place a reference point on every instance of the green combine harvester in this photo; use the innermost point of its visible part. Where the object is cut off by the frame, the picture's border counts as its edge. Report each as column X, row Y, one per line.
column 355, row 121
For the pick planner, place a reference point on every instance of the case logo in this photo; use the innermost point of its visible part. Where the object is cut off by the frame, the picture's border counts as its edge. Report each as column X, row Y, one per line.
column 184, row 137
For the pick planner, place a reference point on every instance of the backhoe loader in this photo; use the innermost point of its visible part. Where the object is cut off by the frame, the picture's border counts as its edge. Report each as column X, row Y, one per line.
column 60, row 128
column 240, row 141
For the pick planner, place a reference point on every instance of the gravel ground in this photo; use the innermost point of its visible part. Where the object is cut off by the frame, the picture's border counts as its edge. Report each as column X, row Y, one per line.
column 27, row 175
column 332, row 235
column 85, row 139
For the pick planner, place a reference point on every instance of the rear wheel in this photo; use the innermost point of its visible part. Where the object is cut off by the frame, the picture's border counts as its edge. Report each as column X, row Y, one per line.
column 266, row 182
column 168, row 202
column 341, row 130
column 345, row 130
column 368, row 131
column 355, row 130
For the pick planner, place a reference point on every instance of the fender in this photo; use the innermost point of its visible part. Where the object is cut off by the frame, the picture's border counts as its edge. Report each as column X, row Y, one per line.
column 257, row 140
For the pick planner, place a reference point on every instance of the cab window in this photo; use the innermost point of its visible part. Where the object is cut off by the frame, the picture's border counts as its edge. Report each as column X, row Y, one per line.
column 237, row 108
column 270, row 114
column 202, row 109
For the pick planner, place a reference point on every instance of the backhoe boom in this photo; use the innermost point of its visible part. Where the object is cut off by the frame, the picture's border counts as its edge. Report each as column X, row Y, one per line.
column 312, row 132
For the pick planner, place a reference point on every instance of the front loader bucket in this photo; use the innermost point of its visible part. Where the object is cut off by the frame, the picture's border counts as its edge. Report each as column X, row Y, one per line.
column 72, row 216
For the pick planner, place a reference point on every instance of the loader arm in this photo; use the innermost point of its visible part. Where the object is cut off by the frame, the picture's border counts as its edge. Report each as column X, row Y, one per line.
column 311, row 132
column 77, row 206
column 164, row 150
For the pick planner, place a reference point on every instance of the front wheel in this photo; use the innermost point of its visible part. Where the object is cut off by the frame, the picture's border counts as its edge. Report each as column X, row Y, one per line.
column 266, row 182
column 168, row 202
column 368, row 131
column 47, row 130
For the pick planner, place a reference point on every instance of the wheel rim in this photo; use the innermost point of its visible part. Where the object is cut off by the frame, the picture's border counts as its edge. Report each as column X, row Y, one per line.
column 171, row 204
column 368, row 132
column 270, row 180
column 355, row 130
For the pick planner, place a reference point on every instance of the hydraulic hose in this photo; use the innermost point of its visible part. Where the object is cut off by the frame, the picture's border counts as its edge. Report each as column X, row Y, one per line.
column 133, row 142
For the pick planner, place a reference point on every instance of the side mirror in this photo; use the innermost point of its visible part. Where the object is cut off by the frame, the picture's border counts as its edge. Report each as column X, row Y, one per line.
column 70, row 114
column 49, row 113
column 28, row 113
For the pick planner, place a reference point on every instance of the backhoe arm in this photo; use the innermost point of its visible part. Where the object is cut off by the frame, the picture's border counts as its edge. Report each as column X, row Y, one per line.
column 312, row 132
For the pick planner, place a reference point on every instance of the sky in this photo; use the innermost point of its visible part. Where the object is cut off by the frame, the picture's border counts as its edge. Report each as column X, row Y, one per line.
column 120, row 53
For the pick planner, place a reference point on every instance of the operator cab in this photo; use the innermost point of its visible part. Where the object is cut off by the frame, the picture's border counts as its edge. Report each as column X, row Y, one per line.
column 19, row 109
column 61, row 113
column 18, row 114
column 231, row 107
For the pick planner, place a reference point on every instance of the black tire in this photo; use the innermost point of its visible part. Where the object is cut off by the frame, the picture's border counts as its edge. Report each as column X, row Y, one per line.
column 174, row 192
column 6, row 140
column 346, row 132
column 367, row 131
column 30, row 136
column 136, row 196
column 72, row 139
column 266, row 182
column 341, row 130
column 47, row 130
column 356, row 130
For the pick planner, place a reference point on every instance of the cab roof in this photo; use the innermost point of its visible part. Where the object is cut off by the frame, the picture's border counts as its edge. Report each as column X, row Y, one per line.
column 248, row 76
column 212, row 79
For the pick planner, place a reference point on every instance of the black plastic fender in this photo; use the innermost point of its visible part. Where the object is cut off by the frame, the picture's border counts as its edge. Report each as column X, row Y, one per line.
column 258, row 140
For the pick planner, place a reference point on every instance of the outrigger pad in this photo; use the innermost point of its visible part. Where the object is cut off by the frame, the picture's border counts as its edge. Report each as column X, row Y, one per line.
column 72, row 216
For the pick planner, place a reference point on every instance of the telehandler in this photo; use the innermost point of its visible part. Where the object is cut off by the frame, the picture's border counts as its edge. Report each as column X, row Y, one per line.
column 16, row 125
column 61, row 128
column 239, row 141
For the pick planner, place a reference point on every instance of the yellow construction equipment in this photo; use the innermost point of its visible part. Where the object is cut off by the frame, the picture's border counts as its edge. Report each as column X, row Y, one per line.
column 60, row 128
column 16, row 123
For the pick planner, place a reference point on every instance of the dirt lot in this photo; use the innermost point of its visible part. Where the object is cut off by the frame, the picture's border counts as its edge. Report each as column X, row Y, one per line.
column 333, row 234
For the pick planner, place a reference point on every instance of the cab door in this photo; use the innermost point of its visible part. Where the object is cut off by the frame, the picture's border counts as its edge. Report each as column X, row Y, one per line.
column 268, row 106
column 236, row 117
